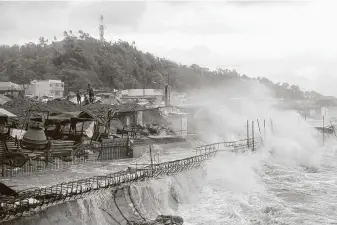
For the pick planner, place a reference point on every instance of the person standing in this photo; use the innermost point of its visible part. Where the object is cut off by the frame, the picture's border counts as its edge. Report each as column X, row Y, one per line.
column 79, row 97
column 91, row 94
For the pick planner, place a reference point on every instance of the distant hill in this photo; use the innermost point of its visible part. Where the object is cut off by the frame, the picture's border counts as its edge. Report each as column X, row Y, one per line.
column 82, row 59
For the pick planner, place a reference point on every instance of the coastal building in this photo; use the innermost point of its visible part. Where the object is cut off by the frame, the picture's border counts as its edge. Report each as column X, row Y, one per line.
column 50, row 88
column 148, row 94
column 108, row 98
column 11, row 89
column 169, row 116
column 8, row 86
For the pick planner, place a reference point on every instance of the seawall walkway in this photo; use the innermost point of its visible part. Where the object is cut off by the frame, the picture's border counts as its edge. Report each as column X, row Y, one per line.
column 31, row 201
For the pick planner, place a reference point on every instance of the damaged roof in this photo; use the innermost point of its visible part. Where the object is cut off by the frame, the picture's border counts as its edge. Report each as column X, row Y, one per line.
column 4, row 112
column 128, row 107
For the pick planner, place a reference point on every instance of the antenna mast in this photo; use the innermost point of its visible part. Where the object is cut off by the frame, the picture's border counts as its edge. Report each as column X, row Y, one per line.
column 101, row 30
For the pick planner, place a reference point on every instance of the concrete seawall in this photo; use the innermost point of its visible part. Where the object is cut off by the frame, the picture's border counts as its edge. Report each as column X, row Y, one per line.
column 134, row 195
column 139, row 202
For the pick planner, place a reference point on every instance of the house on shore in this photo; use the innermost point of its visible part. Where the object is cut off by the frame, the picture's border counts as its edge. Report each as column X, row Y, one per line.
column 108, row 98
column 49, row 88
column 11, row 89
column 142, row 94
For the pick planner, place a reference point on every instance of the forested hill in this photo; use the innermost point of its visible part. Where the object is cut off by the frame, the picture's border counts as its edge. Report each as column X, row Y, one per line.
column 81, row 59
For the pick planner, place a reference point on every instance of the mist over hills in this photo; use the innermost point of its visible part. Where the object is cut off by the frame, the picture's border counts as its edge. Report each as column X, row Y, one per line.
column 79, row 59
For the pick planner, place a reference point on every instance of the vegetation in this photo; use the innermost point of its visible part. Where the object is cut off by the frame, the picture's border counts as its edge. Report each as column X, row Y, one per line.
column 82, row 59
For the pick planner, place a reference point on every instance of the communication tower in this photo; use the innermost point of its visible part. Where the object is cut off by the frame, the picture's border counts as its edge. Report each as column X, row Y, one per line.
column 101, row 29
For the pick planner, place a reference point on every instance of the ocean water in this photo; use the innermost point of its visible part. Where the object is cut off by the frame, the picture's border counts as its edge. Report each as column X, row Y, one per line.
column 291, row 180
column 262, row 187
column 258, row 189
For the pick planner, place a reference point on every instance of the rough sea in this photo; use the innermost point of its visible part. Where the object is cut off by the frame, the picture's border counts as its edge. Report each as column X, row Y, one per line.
column 291, row 180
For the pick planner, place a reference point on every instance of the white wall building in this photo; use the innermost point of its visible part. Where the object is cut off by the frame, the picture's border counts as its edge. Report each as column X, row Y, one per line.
column 143, row 94
column 50, row 88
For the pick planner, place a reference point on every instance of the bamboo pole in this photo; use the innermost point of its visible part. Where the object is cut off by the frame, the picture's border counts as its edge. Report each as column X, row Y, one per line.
column 253, row 135
column 151, row 160
column 333, row 128
column 3, row 170
column 258, row 124
column 247, row 133
column 271, row 124
column 323, row 130
column 264, row 128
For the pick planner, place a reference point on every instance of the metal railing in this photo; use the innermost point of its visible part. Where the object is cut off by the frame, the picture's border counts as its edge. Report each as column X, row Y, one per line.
column 34, row 200
column 98, row 152
column 87, row 153
column 252, row 144
column 35, row 166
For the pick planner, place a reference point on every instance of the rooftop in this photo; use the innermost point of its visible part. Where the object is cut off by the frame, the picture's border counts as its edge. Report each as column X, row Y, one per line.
column 4, row 99
column 50, row 81
column 4, row 112
column 141, row 92
column 10, row 86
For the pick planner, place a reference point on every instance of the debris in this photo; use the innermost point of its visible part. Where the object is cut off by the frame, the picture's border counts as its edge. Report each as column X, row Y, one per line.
column 63, row 105
column 166, row 220
column 5, row 190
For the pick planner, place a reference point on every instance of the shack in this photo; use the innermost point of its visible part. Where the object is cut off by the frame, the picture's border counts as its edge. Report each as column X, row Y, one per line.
column 11, row 89
column 108, row 98
column 168, row 116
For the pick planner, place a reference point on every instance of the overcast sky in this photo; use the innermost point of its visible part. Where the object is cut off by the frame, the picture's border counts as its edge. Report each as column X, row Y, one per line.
column 291, row 41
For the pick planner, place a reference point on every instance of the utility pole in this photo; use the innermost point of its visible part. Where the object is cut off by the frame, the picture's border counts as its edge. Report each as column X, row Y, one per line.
column 151, row 160
column 253, row 147
column 169, row 89
column 247, row 133
column 323, row 130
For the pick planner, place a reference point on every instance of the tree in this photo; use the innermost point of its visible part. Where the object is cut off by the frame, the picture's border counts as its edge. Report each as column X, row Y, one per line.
column 82, row 60
column 285, row 85
column 295, row 88
column 43, row 42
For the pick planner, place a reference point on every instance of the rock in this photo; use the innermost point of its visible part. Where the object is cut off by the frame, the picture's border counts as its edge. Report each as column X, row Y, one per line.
column 169, row 220
column 177, row 219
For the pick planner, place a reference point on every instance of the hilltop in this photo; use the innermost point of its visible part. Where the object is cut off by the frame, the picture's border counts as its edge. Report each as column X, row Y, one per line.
column 82, row 59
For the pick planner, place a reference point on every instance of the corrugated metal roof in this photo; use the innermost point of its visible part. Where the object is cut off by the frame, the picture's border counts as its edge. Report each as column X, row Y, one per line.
column 105, row 93
column 4, row 99
column 141, row 92
column 4, row 86
column 5, row 112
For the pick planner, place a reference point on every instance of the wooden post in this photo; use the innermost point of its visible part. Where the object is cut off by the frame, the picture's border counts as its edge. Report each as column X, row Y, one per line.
column 247, row 133
column 333, row 129
column 323, row 130
column 2, row 169
column 258, row 124
column 264, row 128
column 151, row 160
column 253, row 147
column 305, row 117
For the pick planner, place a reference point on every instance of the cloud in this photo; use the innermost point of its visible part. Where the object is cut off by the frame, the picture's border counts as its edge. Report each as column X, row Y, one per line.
column 292, row 41
column 198, row 53
column 115, row 14
column 30, row 20
column 249, row 3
